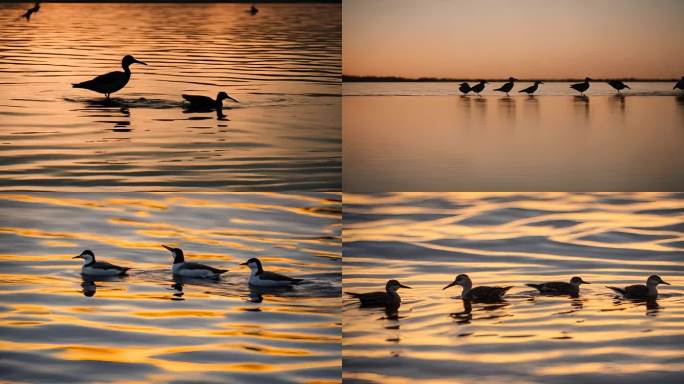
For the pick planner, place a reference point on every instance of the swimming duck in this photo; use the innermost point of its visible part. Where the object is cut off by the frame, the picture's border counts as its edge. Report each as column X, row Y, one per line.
column 464, row 88
column 206, row 102
column 378, row 299
column 618, row 85
column 648, row 291
column 189, row 269
column 31, row 11
column 260, row 278
column 581, row 87
column 560, row 288
column 482, row 293
column 533, row 88
column 253, row 10
column 479, row 87
column 98, row 268
column 507, row 86
column 679, row 84
column 112, row 81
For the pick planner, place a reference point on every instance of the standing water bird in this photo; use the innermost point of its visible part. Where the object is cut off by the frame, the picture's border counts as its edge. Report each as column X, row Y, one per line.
column 260, row 278
column 112, row 81
column 581, row 87
column 619, row 85
column 98, row 268
column 389, row 298
column 648, row 291
column 30, row 11
column 560, row 288
column 507, row 86
column 482, row 293
column 479, row 87
column 206, row 103
column 679, row 85
column 533, row 88
column 464, row 88
column 190, row 269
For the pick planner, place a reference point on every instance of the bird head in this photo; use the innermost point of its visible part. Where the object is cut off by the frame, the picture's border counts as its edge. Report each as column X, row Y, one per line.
column 576, row 280
column 86, row 255
column 253, row 264
column 222, row 95
column 128, row 60
column 461, row 279
column 655, row 280
column 394, row 285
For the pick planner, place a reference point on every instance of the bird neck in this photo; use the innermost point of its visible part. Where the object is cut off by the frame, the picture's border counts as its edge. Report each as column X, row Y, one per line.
column 467, row 286
column 89, row 261
column 652, row 289
column 177, row 259
column 219, row 103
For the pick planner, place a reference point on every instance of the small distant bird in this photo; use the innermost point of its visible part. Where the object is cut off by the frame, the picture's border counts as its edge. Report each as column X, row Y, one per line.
column 206, row 102
column 189, row 269
column 98, row 268
column 479, row 87
column 581, row 87
column 389, row 298
column 260, row 278
column 464, row 88
column 30, row 11
column 482, row 293
column 112, row 81
column 619, row 85
column 560, row 288
column 253, row 10
column 648, row 291
column 679, row 85
column 507, row 86
column 533, row 88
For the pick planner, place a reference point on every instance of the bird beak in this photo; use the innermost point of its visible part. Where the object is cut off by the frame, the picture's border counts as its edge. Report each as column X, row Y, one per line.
column 77, row 257
column 245, row 263
column 585, row 282
column 664, row 282
column 404, row 286
column 139, row 62
column 169, row 248
column 230, row 98
column 450, row 285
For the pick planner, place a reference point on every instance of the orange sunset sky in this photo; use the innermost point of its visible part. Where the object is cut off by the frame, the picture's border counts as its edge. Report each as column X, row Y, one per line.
column 523, row 38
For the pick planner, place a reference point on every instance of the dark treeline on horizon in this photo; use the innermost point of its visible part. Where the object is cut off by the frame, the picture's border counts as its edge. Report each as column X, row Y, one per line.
column 177, row 1
column 398, row 79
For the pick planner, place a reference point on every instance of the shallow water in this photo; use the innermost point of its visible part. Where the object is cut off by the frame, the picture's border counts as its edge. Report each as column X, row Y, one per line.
column 282, row 64
column 56, row 326
column 501, row 239
column 425, row 137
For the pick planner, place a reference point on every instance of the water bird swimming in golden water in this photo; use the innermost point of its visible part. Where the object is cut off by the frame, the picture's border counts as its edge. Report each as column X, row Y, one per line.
column 206, row 103
column 31, row 11
column 618, row 85
column 560, row 288
column 189, row 269
column 260, row 278
column 639, row 291
column 112, row 81
column 679, row 84
column 99, row 268
column 482, row 293
column 464, row 88
column 507, row 86
column 479, row 87
column 581, row 87
column 253, row 10
column 533, row 88
column 389, row 298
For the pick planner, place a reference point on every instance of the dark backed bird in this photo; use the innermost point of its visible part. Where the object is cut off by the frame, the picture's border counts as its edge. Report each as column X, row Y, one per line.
column 98, row 268
column 464, row 88
column 532, row 88
column 479, row 87
column 507, row 86
column 206, row 103
column 482, row 293
column 389, row 298
column 581, row 87
column 31, row 11
column 112, row 81
column 260, row 278
column 679, row 84
column 189, row 269
column 619, row 85
column 638, row 291
column 253, row 10
column 560, row 288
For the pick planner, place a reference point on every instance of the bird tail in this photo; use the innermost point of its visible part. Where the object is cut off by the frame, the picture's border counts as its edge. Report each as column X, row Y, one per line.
column 77, row 85
column 507, row 288
column 352, row 294
column 220, row 271
column 616, row 289
column 296, row 281
column 535, row 286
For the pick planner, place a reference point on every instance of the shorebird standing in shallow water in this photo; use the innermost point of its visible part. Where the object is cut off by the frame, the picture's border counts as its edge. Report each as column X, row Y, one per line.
column 389, row 298
column 112, row 81
column 189, row 269
column 479, row 87
column 464, row 88
column 98, row 268
column 482, row 293
column 618, row 85
column 31, row 11
column 206, row 103
column 507, row 86
column 560, row 288
column 679, row 84
column 532, row 88
column 648, row 291
column 260, row 278
column 581, row 87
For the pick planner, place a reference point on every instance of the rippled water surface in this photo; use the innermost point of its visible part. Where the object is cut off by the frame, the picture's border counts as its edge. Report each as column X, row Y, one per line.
column 426, row 137
column 282, row 64
column 57, row 327
column 425, row 240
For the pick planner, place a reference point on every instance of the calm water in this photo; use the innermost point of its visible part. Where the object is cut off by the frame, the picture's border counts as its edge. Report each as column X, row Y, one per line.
column 283, row 65
column 426, row 137
column 55, row 327
column 425, row 240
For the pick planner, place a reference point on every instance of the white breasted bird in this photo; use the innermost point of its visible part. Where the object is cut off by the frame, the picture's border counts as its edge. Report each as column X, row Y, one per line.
column 638, row 291
column 260, row 278
column 189, row 269
column 99, row 268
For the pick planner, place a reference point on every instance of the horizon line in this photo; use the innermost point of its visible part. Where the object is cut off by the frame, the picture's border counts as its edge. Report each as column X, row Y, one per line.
column 387, row 79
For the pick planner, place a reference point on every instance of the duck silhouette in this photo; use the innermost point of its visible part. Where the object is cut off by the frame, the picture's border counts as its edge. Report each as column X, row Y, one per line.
column 113, row 81
column 206, row 103
column 479, row 87
column 679, row 84
column 618, row 85
column 253, row 10
column 31, row 11
column 507, row 86
column 581, row 87
column 464, row 88
column 533, row 88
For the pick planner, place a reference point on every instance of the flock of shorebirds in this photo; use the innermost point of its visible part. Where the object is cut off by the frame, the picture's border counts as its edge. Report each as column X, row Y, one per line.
column 390, row 298
column 258, row 277
column 582, row 87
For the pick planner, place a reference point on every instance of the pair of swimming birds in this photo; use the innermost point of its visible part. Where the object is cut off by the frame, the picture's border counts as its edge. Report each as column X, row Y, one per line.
column 181, row 268
column 484, row 293
column 114, row 81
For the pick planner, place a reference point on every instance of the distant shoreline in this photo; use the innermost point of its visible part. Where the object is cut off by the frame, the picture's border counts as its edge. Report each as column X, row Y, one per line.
column 397, row 79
